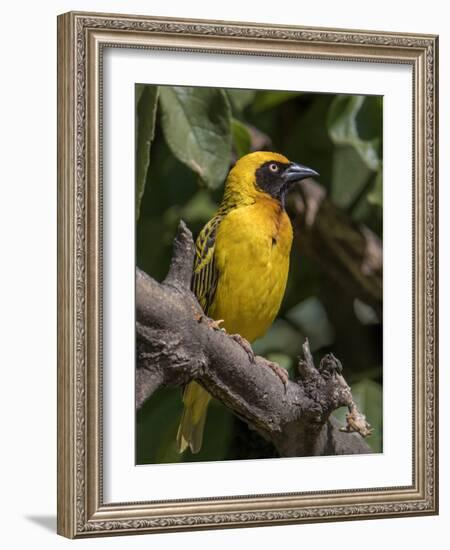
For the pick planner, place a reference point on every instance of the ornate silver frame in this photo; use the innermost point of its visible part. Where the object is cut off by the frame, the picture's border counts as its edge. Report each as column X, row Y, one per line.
column 81, row 38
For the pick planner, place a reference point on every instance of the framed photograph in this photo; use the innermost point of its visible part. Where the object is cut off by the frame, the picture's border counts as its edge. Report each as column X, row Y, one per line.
column 247, row 274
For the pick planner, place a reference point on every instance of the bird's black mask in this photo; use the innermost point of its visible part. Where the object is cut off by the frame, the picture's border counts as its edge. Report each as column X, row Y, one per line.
column 275, row 177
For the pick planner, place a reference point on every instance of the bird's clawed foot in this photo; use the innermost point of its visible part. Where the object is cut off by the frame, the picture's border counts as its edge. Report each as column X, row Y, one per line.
column 279, row 371
column 211, row 323
column 215, row 325
column 245, row 345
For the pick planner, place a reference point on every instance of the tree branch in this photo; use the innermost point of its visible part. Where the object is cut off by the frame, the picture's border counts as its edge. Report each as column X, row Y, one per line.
column 177, row 343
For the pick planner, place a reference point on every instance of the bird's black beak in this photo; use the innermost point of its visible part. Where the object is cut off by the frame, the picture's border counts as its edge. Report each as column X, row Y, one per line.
column 296, row 172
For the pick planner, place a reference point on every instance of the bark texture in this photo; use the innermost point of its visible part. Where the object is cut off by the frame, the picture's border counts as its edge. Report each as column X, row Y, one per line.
column 176, row 343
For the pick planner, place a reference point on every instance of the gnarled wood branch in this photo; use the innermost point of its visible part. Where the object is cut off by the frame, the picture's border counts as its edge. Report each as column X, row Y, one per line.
column 176, row 343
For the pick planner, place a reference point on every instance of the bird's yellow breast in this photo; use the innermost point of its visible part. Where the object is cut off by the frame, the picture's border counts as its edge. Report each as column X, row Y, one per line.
column 252, row 253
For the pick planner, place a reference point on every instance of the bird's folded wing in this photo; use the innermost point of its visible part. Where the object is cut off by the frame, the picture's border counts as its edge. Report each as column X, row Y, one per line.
column 206, row 275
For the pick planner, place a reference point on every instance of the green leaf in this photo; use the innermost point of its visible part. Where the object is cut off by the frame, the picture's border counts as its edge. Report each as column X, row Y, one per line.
column 375, row 196
column 240, row 99
column 266, row 100
column 147, row 100
column 156, row 427
column 343, row 129
column 280, row 338
column 241, row 138
column 197, row 127
column 349, row 176
column 311, row 317
column 139, row 91
column 200, row 208
column 368, row 395
column 355, row 159
column 370, row 119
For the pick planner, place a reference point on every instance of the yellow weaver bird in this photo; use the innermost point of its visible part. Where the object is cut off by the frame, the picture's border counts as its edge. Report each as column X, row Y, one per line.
column 241, row 263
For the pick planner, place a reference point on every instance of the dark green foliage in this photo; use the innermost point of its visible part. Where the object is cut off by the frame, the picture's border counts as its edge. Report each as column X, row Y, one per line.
column 186, row 140
column 197, row 127
column 355, row 155
column 157, row 425
column 146, row 102
column 241, row 138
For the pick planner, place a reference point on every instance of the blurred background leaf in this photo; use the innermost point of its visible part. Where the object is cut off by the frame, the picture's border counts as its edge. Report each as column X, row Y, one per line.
column 356, row 159
column 146, row 99
column 241, row 138
column 201, row 132
column 268, row 100
column 343, row 129
column 240, row 99
column 375, row 196
column 197, row 127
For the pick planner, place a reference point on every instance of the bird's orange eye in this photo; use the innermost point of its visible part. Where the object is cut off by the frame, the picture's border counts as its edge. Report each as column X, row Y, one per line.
column 273, row 167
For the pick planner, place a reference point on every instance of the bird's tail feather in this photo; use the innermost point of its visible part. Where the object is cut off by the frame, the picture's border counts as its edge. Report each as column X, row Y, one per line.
column 192, row 423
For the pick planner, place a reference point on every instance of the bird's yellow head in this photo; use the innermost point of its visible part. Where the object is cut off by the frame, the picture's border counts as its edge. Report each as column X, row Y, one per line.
column 263, row 173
